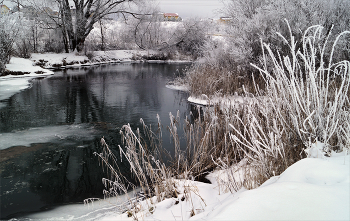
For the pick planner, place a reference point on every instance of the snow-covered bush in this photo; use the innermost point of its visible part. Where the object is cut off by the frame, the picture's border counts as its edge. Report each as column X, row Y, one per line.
column 309, row 89
column 306, row 100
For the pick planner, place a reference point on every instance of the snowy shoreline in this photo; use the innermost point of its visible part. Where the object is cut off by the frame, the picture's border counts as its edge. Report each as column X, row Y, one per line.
column 19, row 72
column 74, row 60
column 40, row 64
column 12, row 84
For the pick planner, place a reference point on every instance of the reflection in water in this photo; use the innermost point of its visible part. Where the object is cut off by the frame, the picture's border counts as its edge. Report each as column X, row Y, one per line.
column 62, row 167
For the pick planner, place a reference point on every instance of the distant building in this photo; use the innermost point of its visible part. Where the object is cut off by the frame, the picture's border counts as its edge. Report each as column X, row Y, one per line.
column 4, row 9
column 48, row 11
column 171, row 16
column 225, row 19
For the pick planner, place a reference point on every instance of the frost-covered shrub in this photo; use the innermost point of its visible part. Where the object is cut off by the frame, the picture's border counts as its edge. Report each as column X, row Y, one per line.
column 310, row 89
column 23, row 49
column 305, row 101
column 117, row 35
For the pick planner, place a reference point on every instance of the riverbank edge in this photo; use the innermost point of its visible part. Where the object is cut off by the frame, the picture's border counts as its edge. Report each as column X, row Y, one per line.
column 51, row 61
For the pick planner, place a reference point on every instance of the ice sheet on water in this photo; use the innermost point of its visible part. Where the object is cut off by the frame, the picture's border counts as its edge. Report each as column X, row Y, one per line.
column 177, row 87
column 11, row 86
column 47, row 134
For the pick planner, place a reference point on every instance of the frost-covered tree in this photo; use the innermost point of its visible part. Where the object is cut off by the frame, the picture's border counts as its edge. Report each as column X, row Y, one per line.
column 11, row 31
column 76, row 18
column 148, row 31
column 192, row 35
column 256, row 20
column 5, row 49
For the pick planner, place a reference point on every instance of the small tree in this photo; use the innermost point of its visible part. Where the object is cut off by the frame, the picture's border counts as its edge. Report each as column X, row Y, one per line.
column 5, row 50
column 9, row 31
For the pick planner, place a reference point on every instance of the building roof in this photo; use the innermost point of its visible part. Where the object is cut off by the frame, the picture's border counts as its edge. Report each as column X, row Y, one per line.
column 226, row 18
column 171, row 15
column 4, row 9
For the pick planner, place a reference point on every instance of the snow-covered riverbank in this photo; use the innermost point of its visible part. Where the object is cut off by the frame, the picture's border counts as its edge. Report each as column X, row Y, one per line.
column 74, row 59
column 311, row 189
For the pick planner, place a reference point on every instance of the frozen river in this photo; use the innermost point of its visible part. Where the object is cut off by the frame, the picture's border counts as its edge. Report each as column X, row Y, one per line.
column 50, row 130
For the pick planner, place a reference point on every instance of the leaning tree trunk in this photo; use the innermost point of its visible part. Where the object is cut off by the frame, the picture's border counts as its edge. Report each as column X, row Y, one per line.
column 80, row 44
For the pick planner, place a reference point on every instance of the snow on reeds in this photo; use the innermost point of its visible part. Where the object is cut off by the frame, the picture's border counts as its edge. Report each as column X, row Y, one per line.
column 307, row 103
column 308, row 90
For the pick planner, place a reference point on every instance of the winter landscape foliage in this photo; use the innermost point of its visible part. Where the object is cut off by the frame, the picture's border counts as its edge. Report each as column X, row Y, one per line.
column 275, row 79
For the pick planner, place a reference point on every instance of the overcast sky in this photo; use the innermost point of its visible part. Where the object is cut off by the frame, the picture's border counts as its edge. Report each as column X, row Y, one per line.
column 185, row 8
column 192, row 8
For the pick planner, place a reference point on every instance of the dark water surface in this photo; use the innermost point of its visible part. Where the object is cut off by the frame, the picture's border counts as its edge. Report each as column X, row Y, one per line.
column 49, row 132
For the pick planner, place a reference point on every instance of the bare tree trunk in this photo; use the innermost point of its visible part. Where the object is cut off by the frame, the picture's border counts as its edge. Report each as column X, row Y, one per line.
column 102, row 36
column 65, row 41
column 68, row 23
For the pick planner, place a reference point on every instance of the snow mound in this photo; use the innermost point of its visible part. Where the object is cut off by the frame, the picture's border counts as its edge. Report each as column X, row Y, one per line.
column 177, row 87
column 51, row 59
column 311, row 189
column 25, row 65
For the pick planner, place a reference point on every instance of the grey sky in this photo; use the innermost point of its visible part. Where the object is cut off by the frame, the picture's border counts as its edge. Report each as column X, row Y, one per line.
column 192, row 8
column 185, row 8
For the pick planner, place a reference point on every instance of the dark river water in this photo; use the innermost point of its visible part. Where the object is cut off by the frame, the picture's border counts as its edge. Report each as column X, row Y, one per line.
column 49, row 132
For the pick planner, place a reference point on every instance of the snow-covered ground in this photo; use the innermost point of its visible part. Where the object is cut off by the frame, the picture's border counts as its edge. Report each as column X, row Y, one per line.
column 73, row 59
column 311, row 189
column 12, row 84
column 223, row 101
column 49, row 60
